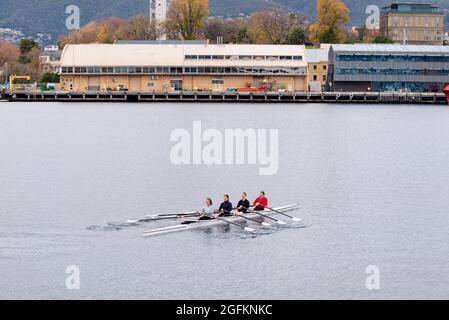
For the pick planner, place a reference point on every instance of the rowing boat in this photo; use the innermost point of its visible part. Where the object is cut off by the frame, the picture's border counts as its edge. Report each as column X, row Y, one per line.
column 209, row 223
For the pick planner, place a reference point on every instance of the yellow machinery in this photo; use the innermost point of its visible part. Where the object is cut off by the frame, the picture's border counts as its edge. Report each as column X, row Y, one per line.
column 14, row 77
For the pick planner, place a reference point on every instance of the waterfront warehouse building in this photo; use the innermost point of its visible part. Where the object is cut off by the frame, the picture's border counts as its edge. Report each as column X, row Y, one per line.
column 413, row 23
column 317, row 63
column 174, row 67
column 388, row 67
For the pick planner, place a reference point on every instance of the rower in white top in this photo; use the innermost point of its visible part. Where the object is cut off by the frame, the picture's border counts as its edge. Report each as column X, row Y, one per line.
column 207, row 213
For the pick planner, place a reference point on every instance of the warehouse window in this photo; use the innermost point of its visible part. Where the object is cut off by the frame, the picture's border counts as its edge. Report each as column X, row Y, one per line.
column 176, row 84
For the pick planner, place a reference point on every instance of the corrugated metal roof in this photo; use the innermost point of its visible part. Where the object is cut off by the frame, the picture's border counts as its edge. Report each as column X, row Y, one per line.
column 173, row 55
column 375, row 48
column 317, row 55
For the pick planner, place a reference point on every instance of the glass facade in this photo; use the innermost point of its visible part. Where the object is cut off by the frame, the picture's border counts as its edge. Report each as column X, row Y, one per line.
column 413, row 72
column 412, row 8
column 406, row 86
column 392, row 57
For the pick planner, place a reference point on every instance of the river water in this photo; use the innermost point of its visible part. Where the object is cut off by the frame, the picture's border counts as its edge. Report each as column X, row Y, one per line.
column 372, row 181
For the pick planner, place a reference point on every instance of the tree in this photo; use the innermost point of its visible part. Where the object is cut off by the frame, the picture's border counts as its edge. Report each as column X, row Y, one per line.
column 297, row 36
column 49, row 77
column 103, row 31
column 21, row 64
column 185, row 18
column 23, row 59
column 361, row 33
column 138, row 28
column 26, row 45
column 8, row 52
column 233, row 30
column 243, row 35
column 213, row 28
column 269, row 26
column 331, row 17
column 382, row 39
column 273, row 26
column 103, row 34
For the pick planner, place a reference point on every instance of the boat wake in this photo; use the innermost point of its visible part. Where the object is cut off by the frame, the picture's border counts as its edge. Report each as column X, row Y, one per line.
column 112, row 226
column 103, row 228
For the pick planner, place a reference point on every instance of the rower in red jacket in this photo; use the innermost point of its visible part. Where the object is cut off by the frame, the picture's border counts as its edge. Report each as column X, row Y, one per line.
column 261, row 202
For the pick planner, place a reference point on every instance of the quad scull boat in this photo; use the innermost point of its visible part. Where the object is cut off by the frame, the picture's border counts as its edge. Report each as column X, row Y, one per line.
column 209, row 223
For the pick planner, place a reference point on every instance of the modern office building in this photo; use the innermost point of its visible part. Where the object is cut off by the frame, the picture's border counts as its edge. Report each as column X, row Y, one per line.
column 168, row 67
column 317, row 64
column 413, row 23
column 388, row 67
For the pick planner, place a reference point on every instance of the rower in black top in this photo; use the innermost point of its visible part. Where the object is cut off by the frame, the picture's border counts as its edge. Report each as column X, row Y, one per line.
column 243, row 205
column 225, row 209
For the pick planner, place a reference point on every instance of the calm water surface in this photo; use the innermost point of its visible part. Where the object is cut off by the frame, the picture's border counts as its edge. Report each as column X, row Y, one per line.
column 372, row 181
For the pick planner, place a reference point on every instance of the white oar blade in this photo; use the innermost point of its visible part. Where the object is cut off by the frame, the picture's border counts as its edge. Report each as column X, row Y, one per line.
column 249, row 229
column 266, row 224
column 297, row 219
column 281, row 222
column 132, row 221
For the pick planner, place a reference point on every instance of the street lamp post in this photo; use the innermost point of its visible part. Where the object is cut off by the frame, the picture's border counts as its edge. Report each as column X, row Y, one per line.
column 6, row 72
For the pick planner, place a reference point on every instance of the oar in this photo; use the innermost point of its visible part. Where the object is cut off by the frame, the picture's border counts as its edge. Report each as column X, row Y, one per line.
column 284, row 214
column 165, row 217
column 266, row 224
column 268, row 217
column 171, row 214
column 237, row 225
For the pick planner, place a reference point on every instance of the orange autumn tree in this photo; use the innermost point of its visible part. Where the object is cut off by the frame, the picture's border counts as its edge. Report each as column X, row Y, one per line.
column 331, row 17
column 102, row 31
column 185, row 18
